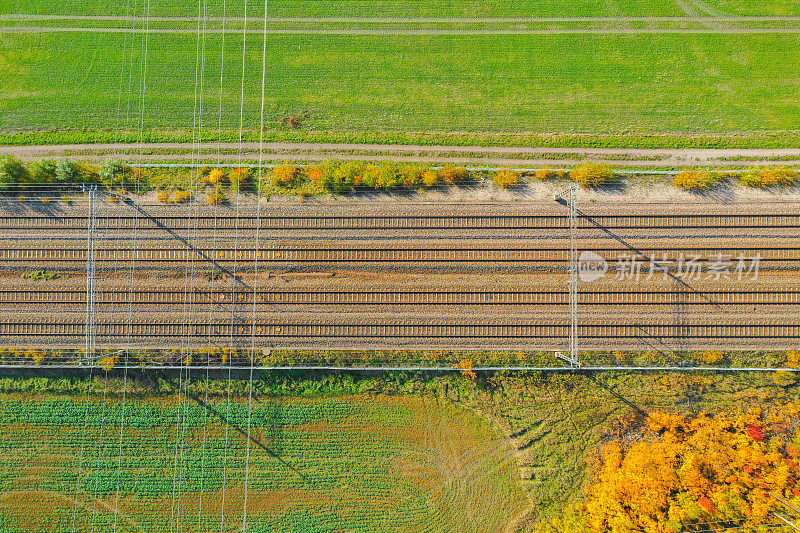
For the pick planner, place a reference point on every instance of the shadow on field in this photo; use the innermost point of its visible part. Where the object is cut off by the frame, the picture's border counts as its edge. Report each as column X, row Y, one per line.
column 592, row 376
column 222, row 418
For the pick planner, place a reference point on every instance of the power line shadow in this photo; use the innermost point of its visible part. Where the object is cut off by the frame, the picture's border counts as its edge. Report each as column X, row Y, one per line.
column 657, row 339
column 617, row 395
column 222, row 418
column 637, row 251
column 189, row 246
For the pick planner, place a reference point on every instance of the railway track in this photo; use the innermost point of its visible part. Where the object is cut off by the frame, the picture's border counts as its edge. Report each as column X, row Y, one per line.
column 395, row 255
column 402, row 297
column 399, row 222
column 276, row 331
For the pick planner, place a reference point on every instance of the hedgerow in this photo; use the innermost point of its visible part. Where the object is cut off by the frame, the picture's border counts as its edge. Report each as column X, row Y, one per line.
column 347, row 176
column 67, row 171
column 770, row 177
column 427, row 358
column 12, row 172
column 332, row 176
column 43, row 171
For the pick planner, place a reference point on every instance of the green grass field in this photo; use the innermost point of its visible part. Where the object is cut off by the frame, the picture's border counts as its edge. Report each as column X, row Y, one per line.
column 568, row 83
column 412, row 8
column 353, row 463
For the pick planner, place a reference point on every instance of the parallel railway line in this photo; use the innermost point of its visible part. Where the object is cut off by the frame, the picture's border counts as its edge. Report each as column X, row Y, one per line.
column 389, row 222
column 401, row 297
column 345, row 317
column 277, row 331
column 278, row 254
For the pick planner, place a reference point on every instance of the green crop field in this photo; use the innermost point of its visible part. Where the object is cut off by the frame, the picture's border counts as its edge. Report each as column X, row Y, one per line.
column 568, row 83
column 355, row 463
column 412, row 8
column 434, row 80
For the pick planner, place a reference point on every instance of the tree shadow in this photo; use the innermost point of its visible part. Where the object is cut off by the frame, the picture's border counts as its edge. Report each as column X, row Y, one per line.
column 721, row 192
column 12, row 206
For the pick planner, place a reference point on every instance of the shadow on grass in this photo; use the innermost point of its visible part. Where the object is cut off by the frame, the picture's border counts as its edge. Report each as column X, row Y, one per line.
column 593, row 377
column 222, row 418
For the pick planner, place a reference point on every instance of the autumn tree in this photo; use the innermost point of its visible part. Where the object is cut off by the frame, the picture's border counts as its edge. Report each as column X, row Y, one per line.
column 466, row 366
column 285, row 175
column 452, row 175
column 696, row 180
column 238, row 178
column 505, row 178
column 215, row 177
column 590, row 174
column 711, row 472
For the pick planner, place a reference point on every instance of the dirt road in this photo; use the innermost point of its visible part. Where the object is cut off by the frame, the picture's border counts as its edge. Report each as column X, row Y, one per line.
column 530, row 157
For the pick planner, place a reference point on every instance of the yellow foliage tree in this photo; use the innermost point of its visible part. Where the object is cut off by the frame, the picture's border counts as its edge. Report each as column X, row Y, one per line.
column 430, row 178
column 715, row 472
column 181, row 197
column 215, row 177
column 591, row 174
column 695, row 180
column 215, row 198
column 793, row 359
column 505, row 178
column 284, row 175
column 545, row 173
column 451, row 175
column 466, row 368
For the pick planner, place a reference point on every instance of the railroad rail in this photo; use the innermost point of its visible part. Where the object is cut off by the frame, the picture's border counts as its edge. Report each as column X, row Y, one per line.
column 275, row 331
column 394, row 222
column 327, row 255
column 400, row 297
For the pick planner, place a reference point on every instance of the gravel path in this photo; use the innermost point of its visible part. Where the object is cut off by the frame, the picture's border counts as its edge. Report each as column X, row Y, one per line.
column 487, row 155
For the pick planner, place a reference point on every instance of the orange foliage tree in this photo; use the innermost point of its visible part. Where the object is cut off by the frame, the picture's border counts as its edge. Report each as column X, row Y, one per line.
column 466, row 366
column 689, row 473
